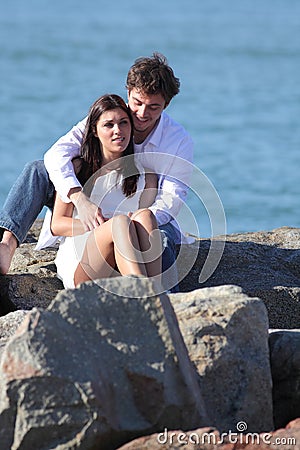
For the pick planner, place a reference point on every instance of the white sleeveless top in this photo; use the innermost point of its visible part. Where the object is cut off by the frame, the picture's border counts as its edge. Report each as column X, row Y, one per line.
column 107, row 193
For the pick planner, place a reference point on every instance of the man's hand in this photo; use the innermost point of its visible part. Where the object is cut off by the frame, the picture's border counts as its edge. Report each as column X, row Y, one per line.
column 89, row 214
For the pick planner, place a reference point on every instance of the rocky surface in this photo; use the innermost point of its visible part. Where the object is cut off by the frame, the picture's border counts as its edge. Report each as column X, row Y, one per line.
column 32, row 278
column 97, row 369
column 265, row 264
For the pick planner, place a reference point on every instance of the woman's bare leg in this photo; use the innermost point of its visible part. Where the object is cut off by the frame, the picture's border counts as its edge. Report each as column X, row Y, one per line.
column 113, row 242
column 149, row 241
column 126, row 247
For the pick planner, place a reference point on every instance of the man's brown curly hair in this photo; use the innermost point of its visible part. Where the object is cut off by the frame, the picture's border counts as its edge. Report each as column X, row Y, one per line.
column 153, row 75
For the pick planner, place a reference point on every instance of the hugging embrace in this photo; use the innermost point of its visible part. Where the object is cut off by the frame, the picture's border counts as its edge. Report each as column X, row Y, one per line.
column 137, row 163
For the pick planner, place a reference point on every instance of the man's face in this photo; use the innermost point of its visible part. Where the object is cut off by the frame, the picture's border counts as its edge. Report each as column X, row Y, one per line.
column 146, row 111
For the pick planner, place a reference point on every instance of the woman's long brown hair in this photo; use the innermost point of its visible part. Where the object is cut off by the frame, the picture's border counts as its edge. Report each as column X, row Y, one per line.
column 91, row 154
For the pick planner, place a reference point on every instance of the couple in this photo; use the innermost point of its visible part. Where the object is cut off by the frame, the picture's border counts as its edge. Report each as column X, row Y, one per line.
column 160, row 144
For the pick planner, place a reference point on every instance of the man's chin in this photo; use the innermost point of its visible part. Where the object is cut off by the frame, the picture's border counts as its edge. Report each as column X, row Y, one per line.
column 139, row 129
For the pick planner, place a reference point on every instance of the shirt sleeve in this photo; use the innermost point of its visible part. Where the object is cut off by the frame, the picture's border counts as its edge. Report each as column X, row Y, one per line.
column 58, row 160
column 173, row 183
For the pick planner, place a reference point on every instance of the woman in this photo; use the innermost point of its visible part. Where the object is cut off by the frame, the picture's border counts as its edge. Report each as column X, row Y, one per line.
column 123, row 193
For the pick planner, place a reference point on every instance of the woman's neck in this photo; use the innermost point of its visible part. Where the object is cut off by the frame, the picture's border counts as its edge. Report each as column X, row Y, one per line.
column 111, row 163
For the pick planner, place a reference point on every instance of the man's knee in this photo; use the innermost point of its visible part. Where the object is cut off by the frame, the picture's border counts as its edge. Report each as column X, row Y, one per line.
column 36, row 168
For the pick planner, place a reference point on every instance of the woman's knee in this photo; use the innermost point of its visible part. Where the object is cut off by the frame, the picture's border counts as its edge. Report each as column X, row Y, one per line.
column 142, row 215
column 119, row 225
column 121, row 220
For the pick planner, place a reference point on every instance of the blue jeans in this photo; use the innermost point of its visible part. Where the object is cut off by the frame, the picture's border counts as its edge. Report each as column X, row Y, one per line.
column 170, row 275
column 30, row 193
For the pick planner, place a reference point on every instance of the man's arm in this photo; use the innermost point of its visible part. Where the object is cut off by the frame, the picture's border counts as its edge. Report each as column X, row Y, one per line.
column 58, row 162
column 175, row 174
column 169, row 200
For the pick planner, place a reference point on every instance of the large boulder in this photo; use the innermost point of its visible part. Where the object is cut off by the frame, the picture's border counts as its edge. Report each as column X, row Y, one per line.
column 106, row 363
column 95, row 370
column 226, row 334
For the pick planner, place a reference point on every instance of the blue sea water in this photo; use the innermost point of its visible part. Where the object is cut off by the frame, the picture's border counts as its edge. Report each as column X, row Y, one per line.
column 239, row 66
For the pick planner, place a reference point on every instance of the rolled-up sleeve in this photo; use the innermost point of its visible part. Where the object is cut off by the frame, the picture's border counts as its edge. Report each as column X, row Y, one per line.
column 58, row 161
column 174, row 172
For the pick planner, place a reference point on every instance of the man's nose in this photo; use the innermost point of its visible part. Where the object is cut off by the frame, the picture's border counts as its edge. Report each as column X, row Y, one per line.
column 142, row 110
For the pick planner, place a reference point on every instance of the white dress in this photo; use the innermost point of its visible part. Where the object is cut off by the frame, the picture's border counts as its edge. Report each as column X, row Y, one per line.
column 107, row 193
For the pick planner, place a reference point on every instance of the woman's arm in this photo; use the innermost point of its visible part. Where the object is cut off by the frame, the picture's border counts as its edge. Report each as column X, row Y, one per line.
column 149, row 193
column 62, row 223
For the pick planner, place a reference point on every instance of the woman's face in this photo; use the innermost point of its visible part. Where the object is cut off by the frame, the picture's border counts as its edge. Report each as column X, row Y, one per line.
column 114, row 130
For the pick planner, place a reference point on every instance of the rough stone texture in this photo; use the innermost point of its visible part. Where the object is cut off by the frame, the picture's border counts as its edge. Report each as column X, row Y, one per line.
column 32, row 280
column 210, row 439
column 285, row 363
column 8, row 326
column 10, row 323
column 265, row 264
column 93, row 371
column 226, row 334
column 100, row 368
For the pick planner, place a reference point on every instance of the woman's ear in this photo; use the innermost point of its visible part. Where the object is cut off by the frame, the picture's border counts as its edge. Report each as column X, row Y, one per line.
column 95, row 132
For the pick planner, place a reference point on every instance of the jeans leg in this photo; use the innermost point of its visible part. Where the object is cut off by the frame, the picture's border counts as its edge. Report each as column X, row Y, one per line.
column 30, row 193
column 169, row 275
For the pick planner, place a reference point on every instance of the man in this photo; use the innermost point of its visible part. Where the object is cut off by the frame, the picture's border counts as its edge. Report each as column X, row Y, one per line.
column 162, row 144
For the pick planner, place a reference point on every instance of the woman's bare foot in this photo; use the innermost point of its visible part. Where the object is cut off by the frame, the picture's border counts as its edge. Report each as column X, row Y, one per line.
column 8, row 247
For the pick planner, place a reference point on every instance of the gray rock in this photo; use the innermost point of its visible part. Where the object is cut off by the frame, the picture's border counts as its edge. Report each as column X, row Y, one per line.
column 226, row 334
column 98, row 369
column 93, row 371
column 285, row 364
column 8, row 326
column 32, row 280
